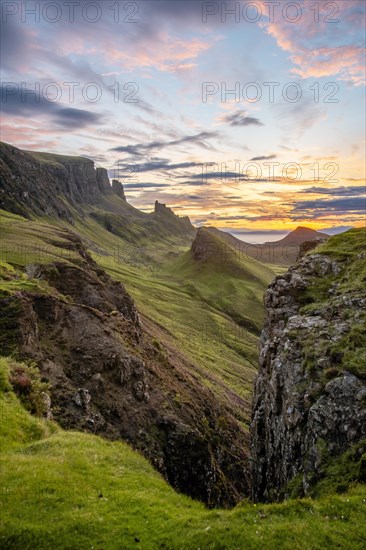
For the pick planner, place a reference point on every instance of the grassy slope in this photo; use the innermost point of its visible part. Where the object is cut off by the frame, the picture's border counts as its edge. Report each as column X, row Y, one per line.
column 226, row 280
column 70, row 490
column 349, row 248
column 53, row 159
column 190, row 311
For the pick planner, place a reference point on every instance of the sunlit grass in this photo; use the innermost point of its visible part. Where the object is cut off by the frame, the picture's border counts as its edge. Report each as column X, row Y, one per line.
column 65, row 490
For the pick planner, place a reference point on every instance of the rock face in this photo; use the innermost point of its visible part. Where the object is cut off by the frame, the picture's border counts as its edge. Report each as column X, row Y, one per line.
column 59, row 186
column 167, row 217
column 44, row 183
column 306, row 246
column 309, row 401
column 103, row 181
column 205, row 246
column 117, row 188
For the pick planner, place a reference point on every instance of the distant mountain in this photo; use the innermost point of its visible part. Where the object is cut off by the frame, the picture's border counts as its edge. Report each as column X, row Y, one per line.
column 281, row 252
column 299, row 236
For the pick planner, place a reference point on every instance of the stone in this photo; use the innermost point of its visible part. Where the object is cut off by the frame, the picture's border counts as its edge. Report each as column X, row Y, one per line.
column 298, row 420
column 82, row 398
column 118, row 189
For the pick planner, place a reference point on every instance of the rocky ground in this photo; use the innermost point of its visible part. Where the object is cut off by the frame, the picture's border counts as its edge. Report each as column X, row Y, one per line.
column 310, row 398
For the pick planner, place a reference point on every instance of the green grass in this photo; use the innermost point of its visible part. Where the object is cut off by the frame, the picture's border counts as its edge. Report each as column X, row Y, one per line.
column 348, row 250
column 226, row 280
column 53, row 159
column 223, row 354
column 64, row 490
column 213, row 321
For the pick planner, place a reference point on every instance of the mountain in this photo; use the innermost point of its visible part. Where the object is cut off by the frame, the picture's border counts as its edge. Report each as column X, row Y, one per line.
column 132, row 349
column 283, row 252
column 123, row 329
column 299, row 236
column 112, row 371
column 71, row 188
column 213, row 251
column 224, row 278
column 43, row 183
column 68, row 489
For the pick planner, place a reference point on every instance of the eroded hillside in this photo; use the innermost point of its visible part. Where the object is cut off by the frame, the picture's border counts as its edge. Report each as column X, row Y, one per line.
column 111, row 378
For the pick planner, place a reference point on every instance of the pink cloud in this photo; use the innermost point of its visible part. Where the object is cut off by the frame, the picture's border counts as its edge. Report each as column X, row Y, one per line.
column 344, row 61
column 302, row 39
column 22, row 135
column 166, row 54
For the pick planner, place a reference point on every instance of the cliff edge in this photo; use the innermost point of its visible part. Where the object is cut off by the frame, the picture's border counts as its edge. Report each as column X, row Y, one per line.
column 50, row 184
column 310, row 394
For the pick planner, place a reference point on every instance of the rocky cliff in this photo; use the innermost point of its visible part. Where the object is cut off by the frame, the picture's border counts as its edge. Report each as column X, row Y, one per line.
column 117, row 188
column 45, row 183
column 310, row 394
column 170, row 220
column 36, row 183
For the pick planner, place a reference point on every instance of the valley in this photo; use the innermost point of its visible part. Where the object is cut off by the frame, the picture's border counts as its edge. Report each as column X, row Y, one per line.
column 147, row 332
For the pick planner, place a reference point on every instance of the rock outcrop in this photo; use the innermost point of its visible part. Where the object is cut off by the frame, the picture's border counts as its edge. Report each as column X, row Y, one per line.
column 169, row 219
column 306, row 246
column 310, row 393
column 36, row 183
column 44, row 183
column 117, row 188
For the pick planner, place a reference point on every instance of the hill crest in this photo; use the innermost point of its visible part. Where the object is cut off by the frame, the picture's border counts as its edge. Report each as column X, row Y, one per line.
column 47, row 184
column 300, row 235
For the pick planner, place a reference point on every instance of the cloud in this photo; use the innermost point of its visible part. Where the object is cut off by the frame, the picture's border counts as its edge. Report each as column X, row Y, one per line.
column 172, row 54
column 140, row 149
column 349, row 191
column 21, row 103
column 151, row 42
column 216, row 175
column 347, row 205
column 194, row 183
column 144, row 185
column 315, row 49
column 345, row 62
column 70, row 117
column 264, row 157
column 239, row 118
column 15, row 44
column 166, row 166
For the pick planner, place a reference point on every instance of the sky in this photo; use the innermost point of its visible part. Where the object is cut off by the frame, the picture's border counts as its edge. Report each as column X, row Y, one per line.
column 248, row 116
